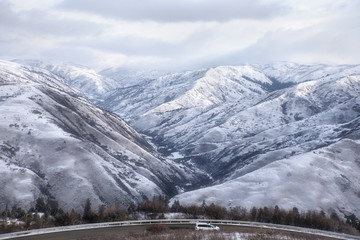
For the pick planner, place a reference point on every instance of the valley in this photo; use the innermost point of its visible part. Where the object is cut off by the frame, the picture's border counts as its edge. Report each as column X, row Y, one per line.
column 253, row 135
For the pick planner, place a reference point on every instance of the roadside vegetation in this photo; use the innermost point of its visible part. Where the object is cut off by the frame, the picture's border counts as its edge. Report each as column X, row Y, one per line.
column 48, row 214
column 249, row 234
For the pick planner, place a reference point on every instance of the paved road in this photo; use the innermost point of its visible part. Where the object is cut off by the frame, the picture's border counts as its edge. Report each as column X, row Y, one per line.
column 105, row 229
column 78, row 234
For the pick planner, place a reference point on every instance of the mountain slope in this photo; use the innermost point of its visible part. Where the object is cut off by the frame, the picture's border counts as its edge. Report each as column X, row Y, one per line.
column 126, row 77
column 212, row 115
column 326, row 179
column 177, row 109
column 235, row 122
column 87, row 81
column 292, row 121
column 58, row 145
column 282, row 134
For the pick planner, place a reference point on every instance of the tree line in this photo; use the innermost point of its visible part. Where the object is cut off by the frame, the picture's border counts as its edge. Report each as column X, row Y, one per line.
column 48, row 214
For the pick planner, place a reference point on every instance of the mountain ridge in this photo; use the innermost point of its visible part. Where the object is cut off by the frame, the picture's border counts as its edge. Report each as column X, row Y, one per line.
column 232, row 123
column 246, row 118
column 56, row 144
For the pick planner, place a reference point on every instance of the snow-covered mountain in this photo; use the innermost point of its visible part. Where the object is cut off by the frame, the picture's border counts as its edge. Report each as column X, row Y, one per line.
column 282, row 134
column 207, row 111
column 324, row 179
column 56, row 144
column 232, row 121
column 126, row 77
column 88, row 82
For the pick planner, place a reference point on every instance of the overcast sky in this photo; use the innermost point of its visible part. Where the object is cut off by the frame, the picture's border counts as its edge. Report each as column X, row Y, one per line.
column 183, row 34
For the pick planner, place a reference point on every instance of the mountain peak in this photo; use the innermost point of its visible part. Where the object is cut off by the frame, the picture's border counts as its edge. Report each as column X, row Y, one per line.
column 57, row 145
column 258, row 130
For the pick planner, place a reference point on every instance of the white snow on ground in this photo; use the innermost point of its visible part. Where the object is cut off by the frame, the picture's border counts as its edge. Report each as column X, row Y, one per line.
column 237, row 123
column 175, row 155
column 90, row 83
column 202, row 112
column 56, row 144
column 232, row 121
column 312, row 180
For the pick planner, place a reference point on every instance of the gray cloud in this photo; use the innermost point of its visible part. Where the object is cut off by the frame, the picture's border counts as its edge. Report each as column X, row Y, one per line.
column 263, row 32
column 43, row 23
column 7, row 17
column 334, row 41
column 29, row 33
column 175, row 11
column 37, row 22
column 304, row 46
column 140, row 46
column 129, row 45
column 71, row 54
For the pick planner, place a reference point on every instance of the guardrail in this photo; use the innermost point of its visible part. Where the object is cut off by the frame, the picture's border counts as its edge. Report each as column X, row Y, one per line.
column 180, row 221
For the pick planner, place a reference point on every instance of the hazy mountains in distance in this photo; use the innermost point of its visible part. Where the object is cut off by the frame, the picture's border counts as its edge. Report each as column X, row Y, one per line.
column 254, row 135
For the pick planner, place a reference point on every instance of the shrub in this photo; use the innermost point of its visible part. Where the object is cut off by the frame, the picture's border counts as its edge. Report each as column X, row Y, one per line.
column 156, row 228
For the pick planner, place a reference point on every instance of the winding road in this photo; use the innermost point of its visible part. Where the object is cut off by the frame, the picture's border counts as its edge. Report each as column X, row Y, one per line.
column 85, row 230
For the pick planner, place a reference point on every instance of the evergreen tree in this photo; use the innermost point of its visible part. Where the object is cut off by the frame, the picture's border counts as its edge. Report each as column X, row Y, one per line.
column 87, row 215
column 203, row 207
column 176, row 207
column 54, row 207
column 131, row 209
column 266, row 215
column 40, row 205
column 253, row 214
column 295, row 217
column 276, row 218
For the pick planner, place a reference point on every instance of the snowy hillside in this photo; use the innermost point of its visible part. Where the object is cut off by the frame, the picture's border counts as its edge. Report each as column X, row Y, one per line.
column 129, row 77
column 87, row 81
column 283, row 134
column 232, row 121
column 58, row 145
column 208, row 111
column 325, row 179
